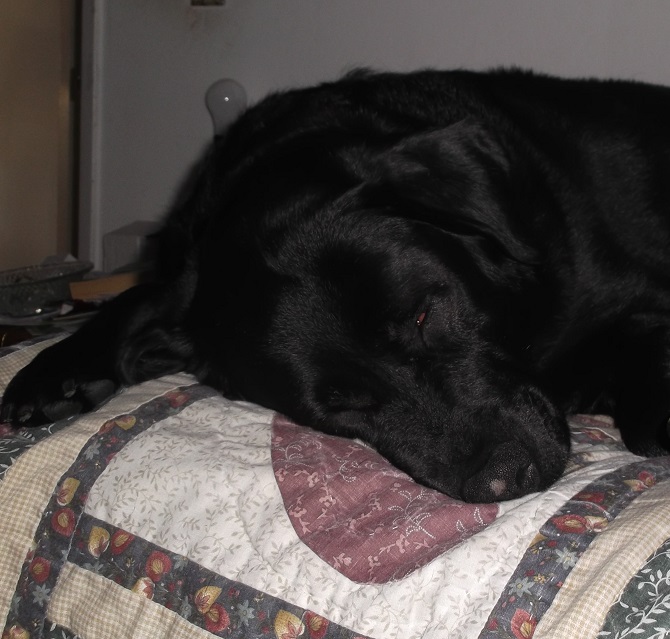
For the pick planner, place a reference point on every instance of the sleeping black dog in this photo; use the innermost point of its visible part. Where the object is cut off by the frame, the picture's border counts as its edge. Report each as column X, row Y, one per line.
column 443, row 264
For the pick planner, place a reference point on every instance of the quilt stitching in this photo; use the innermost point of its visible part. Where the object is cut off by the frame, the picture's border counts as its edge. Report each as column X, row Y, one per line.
column 13, row 443
column 362, row 516
column 519, row 619
column 561, row 541
column 605, row 569
column 59, row 521
column 210, row 601
column 643, row 608
column 93, row 607
column 54, row 631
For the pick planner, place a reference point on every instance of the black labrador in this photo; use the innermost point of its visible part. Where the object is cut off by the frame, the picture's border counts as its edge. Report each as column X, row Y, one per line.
column 443, row 264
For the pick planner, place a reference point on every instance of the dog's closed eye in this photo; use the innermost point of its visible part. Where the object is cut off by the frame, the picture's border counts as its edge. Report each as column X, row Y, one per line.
column 356, row 389
column 341, row 399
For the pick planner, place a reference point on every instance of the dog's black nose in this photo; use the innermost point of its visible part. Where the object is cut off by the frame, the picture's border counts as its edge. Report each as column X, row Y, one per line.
column 508, row 472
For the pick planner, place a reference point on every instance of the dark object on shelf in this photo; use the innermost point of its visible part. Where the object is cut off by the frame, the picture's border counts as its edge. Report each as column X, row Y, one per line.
column 34, row 289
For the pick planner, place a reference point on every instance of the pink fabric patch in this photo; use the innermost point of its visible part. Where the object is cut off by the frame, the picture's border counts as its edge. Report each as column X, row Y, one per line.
column 361, row 515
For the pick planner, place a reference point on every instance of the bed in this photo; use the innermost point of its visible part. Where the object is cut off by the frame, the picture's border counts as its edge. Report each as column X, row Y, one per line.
column 173, row 512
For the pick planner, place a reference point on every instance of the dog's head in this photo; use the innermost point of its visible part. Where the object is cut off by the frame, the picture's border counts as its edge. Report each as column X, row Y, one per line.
column 379, row 294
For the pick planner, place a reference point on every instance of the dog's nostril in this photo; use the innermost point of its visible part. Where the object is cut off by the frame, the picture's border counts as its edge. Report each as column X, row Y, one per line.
column 508, row 472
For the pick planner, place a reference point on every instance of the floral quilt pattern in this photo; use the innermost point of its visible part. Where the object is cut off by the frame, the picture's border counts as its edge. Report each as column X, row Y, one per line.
column 60, row 520
column 560, row 543
column 223, row 607
column 369, row 553
column 218, row 605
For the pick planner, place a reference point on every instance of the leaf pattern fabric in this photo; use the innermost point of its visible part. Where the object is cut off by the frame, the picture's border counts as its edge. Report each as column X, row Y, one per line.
column 643, row 608
column 361, row 515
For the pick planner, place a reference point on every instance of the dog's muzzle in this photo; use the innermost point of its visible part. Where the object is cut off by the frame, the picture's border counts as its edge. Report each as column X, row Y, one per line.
column 508, row 472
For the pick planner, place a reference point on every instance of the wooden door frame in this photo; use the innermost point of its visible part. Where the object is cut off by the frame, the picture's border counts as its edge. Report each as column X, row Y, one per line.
column 89, row 241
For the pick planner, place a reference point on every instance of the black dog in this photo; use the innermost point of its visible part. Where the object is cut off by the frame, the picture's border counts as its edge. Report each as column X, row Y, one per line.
column 441, row 263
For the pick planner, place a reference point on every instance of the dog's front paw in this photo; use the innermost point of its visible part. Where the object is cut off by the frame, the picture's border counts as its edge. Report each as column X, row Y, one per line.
column 46, row 391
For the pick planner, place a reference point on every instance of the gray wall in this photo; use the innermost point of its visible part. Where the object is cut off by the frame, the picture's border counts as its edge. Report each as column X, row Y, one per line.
column 156, row 58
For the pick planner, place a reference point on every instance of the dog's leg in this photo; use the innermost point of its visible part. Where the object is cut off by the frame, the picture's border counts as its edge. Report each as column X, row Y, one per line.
column 642, row 394
column 128, row 341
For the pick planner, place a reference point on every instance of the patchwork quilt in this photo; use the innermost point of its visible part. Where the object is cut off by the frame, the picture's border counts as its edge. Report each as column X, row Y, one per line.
column 173, row 512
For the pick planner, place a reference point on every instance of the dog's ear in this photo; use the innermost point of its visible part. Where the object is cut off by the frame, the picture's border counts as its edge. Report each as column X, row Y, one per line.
column 458, row 179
